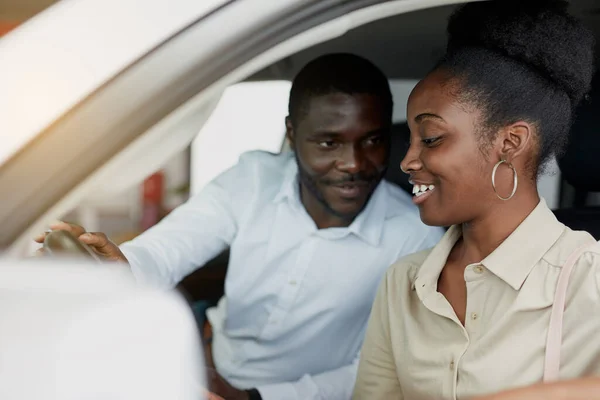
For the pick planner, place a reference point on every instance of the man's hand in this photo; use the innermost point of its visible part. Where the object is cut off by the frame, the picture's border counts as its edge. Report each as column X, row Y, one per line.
column 218, row 385
column 96, row 240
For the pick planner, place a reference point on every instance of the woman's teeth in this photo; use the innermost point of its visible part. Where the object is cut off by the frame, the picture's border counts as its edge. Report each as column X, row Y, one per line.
column 419, row 190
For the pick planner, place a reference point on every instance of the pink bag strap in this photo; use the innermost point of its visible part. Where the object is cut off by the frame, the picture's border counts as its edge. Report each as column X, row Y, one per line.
column 554, row 341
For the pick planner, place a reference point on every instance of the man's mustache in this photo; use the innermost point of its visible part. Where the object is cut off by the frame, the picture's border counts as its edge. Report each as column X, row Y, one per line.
column 360, row 179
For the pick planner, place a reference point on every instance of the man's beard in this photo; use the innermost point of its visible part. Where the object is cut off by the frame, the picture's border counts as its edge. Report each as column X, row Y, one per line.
column 310, row 183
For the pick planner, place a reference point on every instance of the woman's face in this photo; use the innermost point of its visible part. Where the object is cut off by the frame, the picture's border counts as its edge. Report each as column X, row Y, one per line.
column 445, row 155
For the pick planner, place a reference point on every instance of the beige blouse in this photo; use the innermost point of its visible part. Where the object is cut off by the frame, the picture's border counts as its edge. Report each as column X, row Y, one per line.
column 416, row 348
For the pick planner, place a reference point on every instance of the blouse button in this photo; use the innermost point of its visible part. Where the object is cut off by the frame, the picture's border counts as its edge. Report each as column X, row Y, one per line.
column 478, row 269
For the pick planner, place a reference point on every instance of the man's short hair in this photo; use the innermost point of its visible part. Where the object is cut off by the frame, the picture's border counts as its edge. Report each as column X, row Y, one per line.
column 338, row 73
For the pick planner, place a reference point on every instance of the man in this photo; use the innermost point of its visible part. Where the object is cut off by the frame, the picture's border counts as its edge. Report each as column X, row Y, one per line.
column 311, row 233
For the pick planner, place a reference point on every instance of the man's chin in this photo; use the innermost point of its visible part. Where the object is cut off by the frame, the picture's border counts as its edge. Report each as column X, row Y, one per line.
column 348, row 207
column 347, row 211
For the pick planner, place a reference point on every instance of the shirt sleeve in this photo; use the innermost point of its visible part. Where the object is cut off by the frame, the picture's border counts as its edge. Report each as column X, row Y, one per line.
column 193, row 233
column 331, row 385
column 377, row 377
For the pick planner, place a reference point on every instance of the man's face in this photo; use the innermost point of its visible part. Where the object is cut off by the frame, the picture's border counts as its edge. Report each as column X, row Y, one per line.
column 342, row 148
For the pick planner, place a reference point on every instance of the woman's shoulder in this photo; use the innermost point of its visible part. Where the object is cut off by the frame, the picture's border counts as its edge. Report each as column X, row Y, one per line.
column 588, row 264
column 571, row 242
column 586, row 270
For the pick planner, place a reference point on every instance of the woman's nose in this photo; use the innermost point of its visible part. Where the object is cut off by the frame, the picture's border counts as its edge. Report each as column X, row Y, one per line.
column 411, row 161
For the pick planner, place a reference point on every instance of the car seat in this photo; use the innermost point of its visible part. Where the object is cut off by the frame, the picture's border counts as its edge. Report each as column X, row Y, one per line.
column 580, row 167
column 400, row 139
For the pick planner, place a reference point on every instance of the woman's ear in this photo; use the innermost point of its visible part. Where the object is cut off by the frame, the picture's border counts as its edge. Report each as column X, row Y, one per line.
column 516, row 140
column 289, row 132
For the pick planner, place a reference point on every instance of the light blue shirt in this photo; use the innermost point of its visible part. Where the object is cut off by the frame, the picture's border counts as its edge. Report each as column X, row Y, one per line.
column 297, row 298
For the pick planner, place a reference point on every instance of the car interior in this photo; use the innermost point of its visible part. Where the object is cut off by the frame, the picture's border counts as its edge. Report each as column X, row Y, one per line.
column 406, row 47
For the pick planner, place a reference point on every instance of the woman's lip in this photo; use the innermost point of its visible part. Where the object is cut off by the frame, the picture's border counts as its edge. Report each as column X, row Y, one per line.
column 422, row 198
column 420, row 183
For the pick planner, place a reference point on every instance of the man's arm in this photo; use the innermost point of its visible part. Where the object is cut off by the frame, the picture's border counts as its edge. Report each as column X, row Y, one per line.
column 377, row 379
column 186, row 239
column 336, row 384
column 194, row 233
column 577, row 389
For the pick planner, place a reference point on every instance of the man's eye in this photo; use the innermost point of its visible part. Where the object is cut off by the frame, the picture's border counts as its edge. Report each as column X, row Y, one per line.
column 374, row 140
column 327, row 144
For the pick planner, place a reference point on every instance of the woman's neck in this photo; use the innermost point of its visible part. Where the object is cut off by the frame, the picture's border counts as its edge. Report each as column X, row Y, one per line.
column 482, row 236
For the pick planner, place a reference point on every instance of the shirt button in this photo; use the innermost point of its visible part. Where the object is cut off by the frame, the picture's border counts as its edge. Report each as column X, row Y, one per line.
column 452, row 365
column 293, row 282
column 478, row 269
column 474, row 316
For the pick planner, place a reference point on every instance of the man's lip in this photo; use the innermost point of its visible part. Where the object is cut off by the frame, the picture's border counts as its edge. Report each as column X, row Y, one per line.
column 351, row 190
column 353, row 184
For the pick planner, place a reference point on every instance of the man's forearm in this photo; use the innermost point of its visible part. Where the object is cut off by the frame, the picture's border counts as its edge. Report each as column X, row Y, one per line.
column 577, row 389
column 335, row 384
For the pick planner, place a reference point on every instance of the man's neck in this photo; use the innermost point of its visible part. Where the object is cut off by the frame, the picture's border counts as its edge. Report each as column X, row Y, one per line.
column 320, row 213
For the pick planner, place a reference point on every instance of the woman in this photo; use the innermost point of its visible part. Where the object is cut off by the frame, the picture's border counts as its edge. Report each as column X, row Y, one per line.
column 470, row 317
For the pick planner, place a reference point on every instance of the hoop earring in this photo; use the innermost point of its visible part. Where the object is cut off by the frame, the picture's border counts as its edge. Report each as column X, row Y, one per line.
column 515, row 179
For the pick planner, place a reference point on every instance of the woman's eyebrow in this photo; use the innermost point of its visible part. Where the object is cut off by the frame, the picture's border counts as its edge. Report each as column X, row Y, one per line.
column 419, row 118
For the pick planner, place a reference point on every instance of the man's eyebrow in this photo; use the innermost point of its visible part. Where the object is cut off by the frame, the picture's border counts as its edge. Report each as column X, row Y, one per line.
column 421, row 117
column 333, row 134
column 378, row 131
column 321, row 134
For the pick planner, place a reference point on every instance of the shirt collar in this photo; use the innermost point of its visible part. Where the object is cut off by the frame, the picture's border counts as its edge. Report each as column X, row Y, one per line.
column 513, row 260
column 429, row 272
column 368, row 225
column 289, row 186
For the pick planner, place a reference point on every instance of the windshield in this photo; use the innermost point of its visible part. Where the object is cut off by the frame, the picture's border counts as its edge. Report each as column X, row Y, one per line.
column 46, row 69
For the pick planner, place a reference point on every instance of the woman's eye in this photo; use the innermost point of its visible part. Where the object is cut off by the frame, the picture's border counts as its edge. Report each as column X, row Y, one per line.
column 430, row 141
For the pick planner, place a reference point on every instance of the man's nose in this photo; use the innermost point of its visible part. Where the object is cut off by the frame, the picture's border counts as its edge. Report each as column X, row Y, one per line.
column 351, row 160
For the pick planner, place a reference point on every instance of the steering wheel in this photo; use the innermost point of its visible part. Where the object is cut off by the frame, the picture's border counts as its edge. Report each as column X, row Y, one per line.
column 61, row 242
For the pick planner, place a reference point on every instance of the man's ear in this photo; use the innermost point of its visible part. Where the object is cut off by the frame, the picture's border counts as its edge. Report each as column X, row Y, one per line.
column 516, row 139
column 289, row 132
